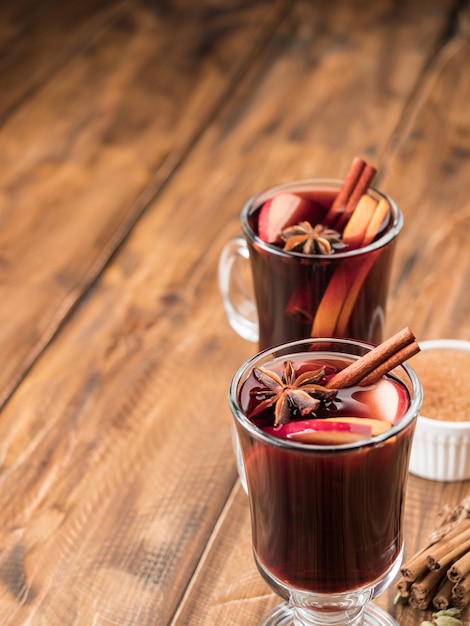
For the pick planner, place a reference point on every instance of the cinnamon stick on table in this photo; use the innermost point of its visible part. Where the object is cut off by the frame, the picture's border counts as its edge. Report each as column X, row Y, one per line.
column 443, row 596
column 444, row 555
column 422, row 592
column 460, row 569
column 461, row 593
column 404, row 587
column 416, row 567
column 440, row 572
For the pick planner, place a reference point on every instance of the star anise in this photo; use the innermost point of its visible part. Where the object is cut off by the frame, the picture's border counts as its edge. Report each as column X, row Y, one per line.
column 304, row 237
column 290, row 392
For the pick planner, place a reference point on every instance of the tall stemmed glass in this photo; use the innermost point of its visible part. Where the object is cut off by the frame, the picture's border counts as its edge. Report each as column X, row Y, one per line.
column 327, row 520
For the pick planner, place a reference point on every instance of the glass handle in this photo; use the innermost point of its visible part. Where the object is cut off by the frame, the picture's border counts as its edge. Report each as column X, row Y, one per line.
column 235, row 284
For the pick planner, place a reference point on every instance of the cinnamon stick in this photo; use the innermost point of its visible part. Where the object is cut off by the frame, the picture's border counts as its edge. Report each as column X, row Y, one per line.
column 461, row 602
column 415, row 568
column 446, row 552
column 404, row 587
column 414, row 602
column 440, row 572
column 417, row 565
column 394, row 361
column 422, row 592
column 460, row 569
column 461, row 594
column 442, row 598
column 349, row 183
column 365, row 179
column 369, row 362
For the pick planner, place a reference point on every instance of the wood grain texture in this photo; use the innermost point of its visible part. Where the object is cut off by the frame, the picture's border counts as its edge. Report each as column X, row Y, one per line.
column 121, row 178
column 39, row 39
column 427, row 171
column 83, row 157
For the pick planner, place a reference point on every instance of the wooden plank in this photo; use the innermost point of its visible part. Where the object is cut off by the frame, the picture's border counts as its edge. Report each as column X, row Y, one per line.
column 80, row 161
column 429, row 173
column 38, row 39
column 120, row 439
column 218, row 597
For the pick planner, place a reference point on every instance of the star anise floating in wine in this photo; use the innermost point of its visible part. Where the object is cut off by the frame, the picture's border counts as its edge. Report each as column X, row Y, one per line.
column 304, row 237
column 290, row 393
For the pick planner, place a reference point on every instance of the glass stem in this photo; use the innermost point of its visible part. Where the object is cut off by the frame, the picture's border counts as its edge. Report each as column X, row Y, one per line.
column 312, row 617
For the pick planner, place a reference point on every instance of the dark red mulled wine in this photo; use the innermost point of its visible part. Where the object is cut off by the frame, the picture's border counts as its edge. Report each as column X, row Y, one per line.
column 327, row 518
column 342, row 294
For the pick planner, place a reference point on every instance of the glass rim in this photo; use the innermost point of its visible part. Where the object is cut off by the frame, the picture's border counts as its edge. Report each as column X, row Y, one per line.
column 415, row 392
column 306, row 184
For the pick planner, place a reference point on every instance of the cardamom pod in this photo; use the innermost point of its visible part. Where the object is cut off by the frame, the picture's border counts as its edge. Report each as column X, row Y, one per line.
column 447, row 617
column 399, row 599
column 447, row 620
column 451, row 612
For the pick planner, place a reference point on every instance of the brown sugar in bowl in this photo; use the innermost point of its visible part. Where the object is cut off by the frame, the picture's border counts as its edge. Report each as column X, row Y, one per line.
column 441, row 445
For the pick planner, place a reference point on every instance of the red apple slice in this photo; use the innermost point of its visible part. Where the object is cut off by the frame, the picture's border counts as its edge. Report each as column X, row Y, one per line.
column 322, row 431
column 386, row 399
column 281, row 211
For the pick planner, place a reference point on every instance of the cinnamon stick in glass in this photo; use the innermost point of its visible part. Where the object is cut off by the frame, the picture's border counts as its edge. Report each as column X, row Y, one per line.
column 390, row 351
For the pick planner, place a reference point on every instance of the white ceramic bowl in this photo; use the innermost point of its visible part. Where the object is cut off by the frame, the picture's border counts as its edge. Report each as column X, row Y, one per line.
column 441, row 448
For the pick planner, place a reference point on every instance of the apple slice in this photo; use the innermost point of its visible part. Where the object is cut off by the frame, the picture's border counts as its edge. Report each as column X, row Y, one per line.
column 356, row 228
column 380, row 214
column 281, row 211
column 352, row 293
column 386, row 399
column 377, row 426
column 330, row 431
column 334, row 310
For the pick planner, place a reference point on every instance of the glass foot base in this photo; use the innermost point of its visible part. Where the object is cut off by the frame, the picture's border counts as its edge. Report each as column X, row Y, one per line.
column 284, row 615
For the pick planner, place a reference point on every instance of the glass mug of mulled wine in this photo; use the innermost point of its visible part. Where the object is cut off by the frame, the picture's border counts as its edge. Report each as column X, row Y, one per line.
column 325, row 472
column 320, row 252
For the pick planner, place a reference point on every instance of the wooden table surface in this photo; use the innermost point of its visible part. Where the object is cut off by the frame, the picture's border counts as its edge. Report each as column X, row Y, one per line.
column 131, row 134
